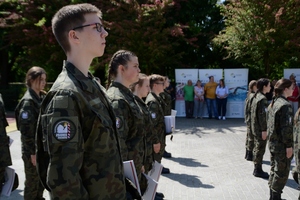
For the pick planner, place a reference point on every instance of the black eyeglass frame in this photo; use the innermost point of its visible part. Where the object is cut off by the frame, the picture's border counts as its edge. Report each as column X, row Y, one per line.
column 99, row 27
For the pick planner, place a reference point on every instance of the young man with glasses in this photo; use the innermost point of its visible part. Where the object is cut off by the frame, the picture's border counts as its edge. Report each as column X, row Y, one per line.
column 155, row 103
column 78, row 153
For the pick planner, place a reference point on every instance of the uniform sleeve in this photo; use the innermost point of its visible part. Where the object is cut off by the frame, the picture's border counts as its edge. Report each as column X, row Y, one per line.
column 286, row 125
column 27, row 121
column 262, row 114
column 122, row 112
column 157, row 123
column 296, row 136
column 65, row 146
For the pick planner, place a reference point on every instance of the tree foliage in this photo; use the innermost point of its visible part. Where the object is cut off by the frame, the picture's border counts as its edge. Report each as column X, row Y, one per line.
column 263, row 35
column 164, row 34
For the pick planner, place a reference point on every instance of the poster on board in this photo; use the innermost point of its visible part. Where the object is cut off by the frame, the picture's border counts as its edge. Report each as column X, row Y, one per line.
column 181, row 78
column 236, row 81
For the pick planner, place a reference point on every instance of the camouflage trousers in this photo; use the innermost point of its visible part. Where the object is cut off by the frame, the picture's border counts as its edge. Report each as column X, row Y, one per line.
column 279, row 173
column 259, row 150
column 33, row 188
column 249, row 140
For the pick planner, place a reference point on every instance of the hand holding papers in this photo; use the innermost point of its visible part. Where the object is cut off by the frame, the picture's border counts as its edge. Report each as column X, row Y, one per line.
column 9, row 181
column 130, row 172
column 152, row 178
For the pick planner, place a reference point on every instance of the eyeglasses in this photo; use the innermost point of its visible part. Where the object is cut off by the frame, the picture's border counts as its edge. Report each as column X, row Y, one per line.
column 99, row 27
column 160, row 83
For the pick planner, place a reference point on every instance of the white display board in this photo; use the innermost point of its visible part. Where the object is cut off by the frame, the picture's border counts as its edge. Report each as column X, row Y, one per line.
column 181, row 77
column 237, row 82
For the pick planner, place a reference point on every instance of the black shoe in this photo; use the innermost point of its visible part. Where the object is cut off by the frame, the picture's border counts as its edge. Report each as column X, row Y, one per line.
column 246, row 154
column 167, row 154
column 165, row 171
column 158, row 197
column 258, row 172
column 160, row 194
column 249, row 156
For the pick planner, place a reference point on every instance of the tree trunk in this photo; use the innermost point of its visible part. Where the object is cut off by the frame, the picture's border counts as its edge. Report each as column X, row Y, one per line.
column 267, row 63
column 4, row 69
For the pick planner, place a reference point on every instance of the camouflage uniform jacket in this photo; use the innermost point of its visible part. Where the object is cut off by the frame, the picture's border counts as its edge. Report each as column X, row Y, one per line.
column 5, row 158
column 247, row 110
column 167, row 102
column 26, row 114
column 154, row 104
column 296, row 136
column 130, row 124
column 77, row 130
column 280, row 125
column 259, row 114
column 151, row 136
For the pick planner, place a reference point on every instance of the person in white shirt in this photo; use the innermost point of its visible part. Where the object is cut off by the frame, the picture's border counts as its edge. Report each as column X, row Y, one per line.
column 222, row 93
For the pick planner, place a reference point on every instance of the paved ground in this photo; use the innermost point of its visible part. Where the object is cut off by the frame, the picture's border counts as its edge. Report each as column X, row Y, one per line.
column 208, row 164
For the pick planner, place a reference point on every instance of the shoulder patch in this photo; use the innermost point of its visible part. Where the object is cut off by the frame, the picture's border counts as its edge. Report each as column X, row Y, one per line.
column 24, row 115
column 153, row 115
column 119, row 123
column 64, row 130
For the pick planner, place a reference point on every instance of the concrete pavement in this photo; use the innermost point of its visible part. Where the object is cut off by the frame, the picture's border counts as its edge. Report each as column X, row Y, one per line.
column 207, row 163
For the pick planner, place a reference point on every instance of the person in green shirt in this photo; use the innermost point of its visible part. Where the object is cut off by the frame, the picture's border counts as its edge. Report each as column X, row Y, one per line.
column 188, row 93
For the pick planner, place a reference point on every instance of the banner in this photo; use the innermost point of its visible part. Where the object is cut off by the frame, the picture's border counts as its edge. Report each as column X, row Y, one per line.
column 203, row 76
column 205, row 73
column 236, row 81
column 296, row 71
column 182, row 76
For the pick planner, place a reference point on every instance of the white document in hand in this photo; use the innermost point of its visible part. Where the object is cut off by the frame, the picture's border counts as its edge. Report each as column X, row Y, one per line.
column 9, row 181
column 151, row 188
column 155, row 172
column 130, row 172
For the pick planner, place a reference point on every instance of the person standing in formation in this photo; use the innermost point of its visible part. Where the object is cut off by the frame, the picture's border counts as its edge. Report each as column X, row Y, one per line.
column 154, row 104
column 198, row 100
column 247, row 111
column 5, row 158
column 280, row 133
column 78, row 151
column 123, row 70
column 259, row 125
column 141, row 89
column 296, row 147
column 167, row 106
column 27, row 113
column 222, row 93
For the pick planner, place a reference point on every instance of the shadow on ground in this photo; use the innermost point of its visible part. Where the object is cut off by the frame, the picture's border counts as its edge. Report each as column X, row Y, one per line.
column 190, row 162
column 190, row 181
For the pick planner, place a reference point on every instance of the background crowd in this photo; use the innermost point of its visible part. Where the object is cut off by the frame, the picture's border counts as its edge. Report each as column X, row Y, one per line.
column 213, row 94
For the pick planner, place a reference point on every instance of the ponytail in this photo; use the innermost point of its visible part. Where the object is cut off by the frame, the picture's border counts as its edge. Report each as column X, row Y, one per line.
column 121, row 57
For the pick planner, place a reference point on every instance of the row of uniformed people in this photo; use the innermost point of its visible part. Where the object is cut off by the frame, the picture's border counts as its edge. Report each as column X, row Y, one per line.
column 137, row 127
column 272, row 123
column 83, row 134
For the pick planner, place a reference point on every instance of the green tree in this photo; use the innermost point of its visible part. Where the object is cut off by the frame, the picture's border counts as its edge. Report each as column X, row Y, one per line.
column 263, row 35
column 200, row 22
